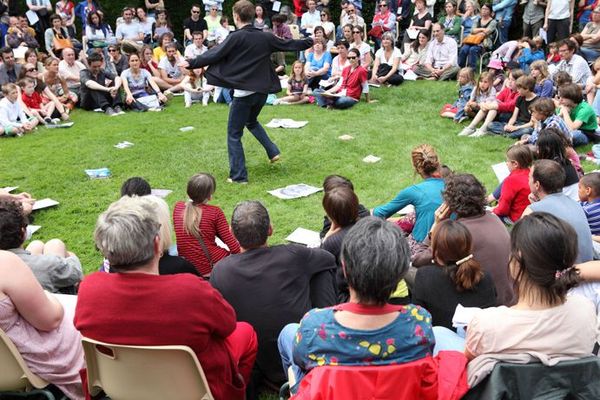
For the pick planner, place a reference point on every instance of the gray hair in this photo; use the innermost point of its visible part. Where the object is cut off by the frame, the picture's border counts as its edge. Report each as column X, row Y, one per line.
column 163, row 215
column 375, row 256
column 389, row 36
column 250, row 224
column 125, row 232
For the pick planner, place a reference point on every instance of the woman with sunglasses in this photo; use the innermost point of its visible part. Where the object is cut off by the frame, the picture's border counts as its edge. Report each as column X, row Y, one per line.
column 383, row 21
column 30, row 71
column 328, row 26
column 347, row 93
column 421, row 21
column 364, row 50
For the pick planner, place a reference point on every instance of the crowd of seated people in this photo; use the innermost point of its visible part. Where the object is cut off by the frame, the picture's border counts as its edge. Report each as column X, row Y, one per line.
column 380, row 290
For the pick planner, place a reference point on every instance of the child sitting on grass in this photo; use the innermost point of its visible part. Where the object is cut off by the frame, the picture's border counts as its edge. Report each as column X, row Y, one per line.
column 13, row 120
column 482, row 94
column 297, row 86
column 196, row 88
column 34, row 102
column 466, row 83
column 589, row 196
column 514, row 194
column 520, row 122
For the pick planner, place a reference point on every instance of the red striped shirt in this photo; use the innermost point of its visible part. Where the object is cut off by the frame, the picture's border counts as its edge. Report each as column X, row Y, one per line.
column 212, row 224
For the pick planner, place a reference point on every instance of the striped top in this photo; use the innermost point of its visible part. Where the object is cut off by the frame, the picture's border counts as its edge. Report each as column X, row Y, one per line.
column 212, row 225
column 592, row 212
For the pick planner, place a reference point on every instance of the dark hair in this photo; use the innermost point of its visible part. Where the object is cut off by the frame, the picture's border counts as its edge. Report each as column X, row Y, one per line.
column 375, row 257
column 12, row 224
column 571, row 91
column 451, row 242
column 578, row 39
column 250, row 223
column 543, row 250
column 279, row 18
column 55, row 16
column 95, row 57
column 6, row 50
column 569, row 43
column 165, row 35
column 135, row 186
column 465, row 195
column 319, row 28
column 544, row 106
column 592, row 180
column 356, row 53
column 549, row 174
column 245, row 10
column 342, row 42
column 341, row 205
column 562, row 78
column 89, row 18
column 334, row 181
column 415, row 44
column 522, row 154
column 552, row 145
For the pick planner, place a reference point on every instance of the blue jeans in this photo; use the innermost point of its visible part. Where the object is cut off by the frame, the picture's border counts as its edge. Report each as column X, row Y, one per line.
column 445, row 339
column 244, row 112
column 589, row 54
column 504, row 30
column 498, row 128
column 335, row 102
column 470, row 52
column 579, row 138
column 285, row 344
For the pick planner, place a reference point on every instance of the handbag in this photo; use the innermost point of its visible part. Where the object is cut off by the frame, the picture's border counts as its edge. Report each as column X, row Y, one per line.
column 60, row 42
column 150, row 101
column 474, row 39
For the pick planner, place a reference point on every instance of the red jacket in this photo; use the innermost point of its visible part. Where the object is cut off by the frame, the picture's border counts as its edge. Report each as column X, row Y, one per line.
column 514, row 197
column 507, row 100
column 431, row 378
column 34, row 101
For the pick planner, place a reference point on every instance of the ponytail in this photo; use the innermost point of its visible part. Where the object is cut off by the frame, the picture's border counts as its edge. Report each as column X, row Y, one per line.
column 191, row 219
column 467, row 274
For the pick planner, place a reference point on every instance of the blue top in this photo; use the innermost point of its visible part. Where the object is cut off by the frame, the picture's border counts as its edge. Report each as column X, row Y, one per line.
column 504, row 9
column 592, row 213
column 528, row 56
column 321, row 340
column 318, row 64
column 544, row 88
column 570, row 211
column 426, row 197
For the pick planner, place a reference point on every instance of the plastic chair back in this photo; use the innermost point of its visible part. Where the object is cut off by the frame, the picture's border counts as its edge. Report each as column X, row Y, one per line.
column 144, row 372
column 14, row 372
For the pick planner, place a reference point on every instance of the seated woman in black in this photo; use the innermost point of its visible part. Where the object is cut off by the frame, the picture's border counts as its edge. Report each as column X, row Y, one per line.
column 454, row 278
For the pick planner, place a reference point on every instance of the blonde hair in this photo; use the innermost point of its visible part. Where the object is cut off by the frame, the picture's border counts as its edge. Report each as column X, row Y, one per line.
column 425, row 160
column 200, row 188
column 485, row 76
column 542, row 67
column 468, row 71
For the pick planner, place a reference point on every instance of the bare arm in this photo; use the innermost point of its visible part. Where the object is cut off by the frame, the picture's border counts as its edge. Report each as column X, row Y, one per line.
column 39, row 308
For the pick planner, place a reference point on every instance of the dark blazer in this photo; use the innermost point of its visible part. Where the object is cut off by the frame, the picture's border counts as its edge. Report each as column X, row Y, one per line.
column 243, row 60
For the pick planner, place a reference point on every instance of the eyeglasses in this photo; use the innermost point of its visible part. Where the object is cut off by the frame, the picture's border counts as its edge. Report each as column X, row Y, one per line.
column 112, row 50
column 323, row 15
column 383, row 5
column 195, row 12
column 355, row 32
column 351, row 57
column 31, row 69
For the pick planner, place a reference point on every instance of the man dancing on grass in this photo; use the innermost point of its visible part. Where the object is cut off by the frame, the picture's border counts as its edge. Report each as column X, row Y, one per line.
column 243, row 62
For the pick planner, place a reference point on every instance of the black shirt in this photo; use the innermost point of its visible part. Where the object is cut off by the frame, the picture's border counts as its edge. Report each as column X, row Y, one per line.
column 435, row 290
column 195, row 26
column 270, row 287
column 524, row 116
column 168, row 265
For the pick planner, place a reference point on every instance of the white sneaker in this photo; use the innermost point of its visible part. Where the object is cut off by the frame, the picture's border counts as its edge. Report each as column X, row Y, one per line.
column 466, row 131
column 479, row 133
column 188, row 105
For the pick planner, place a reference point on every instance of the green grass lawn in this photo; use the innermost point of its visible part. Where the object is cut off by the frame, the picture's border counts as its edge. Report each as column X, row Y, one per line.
column 50, row 163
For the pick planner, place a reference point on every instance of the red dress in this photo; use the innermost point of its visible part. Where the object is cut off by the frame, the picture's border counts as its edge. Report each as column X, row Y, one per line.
column 514, row 197
column 213, row 224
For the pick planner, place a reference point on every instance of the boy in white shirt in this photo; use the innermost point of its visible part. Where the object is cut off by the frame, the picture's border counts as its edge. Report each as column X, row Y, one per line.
column 13, row 120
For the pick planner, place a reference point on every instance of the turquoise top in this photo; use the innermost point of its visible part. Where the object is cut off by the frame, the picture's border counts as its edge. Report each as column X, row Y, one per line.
column 426, row 197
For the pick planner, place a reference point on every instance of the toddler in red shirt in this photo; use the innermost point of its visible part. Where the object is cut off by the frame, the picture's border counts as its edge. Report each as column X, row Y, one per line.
column 514, row 195
column 34, row 102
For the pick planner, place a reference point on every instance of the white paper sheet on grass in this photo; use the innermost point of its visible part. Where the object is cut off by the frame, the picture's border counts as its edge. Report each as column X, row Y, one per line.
column 44, row 203
column 501, row 171
column 9, row 189
column 286, row 123
column 294, row 191
column 31, row 229
column 305, row 236
column 162, row 193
